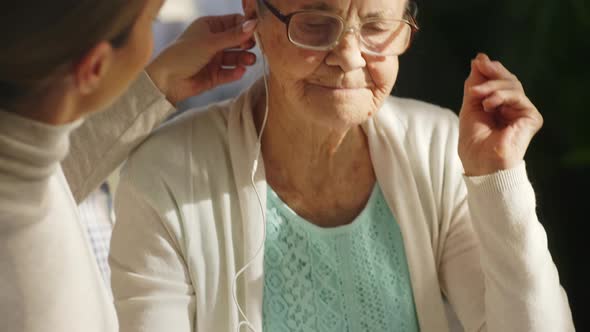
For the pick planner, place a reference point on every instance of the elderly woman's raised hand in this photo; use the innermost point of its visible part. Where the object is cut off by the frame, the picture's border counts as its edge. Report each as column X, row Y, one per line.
column 199, row 59
column 497, row 120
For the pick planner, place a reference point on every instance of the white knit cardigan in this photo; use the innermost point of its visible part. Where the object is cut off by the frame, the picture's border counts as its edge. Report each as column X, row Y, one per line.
column 189, row 219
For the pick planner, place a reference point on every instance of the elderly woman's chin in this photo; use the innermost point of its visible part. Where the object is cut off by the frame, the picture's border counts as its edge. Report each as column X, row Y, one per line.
column 342, row 105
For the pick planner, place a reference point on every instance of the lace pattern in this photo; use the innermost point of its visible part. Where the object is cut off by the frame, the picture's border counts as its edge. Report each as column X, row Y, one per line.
column 350, row 278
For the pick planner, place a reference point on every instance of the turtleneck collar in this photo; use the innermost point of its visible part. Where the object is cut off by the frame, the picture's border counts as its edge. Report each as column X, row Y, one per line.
column 31, row 149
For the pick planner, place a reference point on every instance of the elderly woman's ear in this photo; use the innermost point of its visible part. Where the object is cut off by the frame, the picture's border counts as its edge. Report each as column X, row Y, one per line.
column 249, row 8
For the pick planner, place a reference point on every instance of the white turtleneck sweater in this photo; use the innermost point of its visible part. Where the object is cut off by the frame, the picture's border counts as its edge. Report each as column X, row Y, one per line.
column 49, row 280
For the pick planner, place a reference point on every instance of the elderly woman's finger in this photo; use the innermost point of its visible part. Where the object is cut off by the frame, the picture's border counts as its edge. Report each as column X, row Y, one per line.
column 475, row 78
column 492, row 70
column 489, row 87
column 513, row 98
column 504, row 71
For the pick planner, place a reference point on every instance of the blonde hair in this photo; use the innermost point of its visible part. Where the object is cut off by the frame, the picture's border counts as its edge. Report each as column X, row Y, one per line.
column 39, row 37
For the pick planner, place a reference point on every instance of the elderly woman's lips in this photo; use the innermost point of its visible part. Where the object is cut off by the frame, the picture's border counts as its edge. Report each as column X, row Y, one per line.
column 337, row 87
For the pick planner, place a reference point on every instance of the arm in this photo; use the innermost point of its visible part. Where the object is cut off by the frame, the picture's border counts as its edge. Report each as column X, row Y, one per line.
column 496, row 269
column 507, row 281
column 523, row 291
column 198, row 61
column 105, row 140
column 151, row 284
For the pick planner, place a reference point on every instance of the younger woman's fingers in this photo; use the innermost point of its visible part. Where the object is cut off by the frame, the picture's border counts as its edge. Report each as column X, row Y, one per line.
column 233, row 37
column 248, row 45
column 244, row 46
column 238, row 58
column 228, row 75
column 224, row 22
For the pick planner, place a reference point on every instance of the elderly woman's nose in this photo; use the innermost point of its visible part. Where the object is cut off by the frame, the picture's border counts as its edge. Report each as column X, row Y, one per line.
column 348, row 54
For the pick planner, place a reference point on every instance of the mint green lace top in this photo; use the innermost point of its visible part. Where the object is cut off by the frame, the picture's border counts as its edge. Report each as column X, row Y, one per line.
column 349, row 278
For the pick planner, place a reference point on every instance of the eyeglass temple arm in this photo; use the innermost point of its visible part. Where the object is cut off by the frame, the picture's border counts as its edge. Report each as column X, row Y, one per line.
column 412, row 13
column 284, row 18
column 414, row 24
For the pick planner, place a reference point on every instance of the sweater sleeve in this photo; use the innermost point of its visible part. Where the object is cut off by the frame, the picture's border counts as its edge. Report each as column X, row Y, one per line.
column 496, row 269
column 105, row 139
column 494, row 263
column 522, row 288
column 151, row 284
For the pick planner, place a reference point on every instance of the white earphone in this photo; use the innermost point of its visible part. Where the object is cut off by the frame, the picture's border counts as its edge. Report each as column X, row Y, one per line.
column 245, row 322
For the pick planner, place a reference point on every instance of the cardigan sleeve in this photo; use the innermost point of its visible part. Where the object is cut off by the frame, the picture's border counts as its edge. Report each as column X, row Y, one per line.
column 494, row 264
column 523, row 292
column 151, row 283
column 105, row 139
column 496, row 268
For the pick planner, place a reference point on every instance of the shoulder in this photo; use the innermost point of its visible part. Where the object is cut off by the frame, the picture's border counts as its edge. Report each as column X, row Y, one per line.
column 418, row 116
column 190, row 150
column 426, row 135
column 190, row 130
column 418, row 125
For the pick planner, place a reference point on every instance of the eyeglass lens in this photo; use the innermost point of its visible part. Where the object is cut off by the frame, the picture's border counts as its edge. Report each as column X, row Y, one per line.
column 320, row 31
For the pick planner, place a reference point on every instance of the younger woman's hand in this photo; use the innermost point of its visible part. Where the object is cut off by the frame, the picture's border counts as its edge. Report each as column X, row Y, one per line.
column 212, row 51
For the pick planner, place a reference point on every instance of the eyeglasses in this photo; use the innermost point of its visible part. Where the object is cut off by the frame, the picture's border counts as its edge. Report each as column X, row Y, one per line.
column 322, row 31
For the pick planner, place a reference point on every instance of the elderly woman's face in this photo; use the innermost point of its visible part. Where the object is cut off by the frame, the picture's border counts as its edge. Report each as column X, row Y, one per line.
column 338, row 87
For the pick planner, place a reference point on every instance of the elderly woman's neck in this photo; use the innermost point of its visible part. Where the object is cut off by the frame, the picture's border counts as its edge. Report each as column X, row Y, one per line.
column 311, row 137
column 300, row 148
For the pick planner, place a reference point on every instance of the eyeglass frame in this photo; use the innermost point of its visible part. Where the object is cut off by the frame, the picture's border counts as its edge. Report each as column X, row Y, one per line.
column 286, row 19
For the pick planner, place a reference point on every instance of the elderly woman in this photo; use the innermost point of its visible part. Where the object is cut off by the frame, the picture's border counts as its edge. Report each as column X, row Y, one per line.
column 368, row 217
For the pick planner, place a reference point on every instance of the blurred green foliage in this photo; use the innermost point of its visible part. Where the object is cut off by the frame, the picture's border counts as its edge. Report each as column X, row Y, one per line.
column 546, row 43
